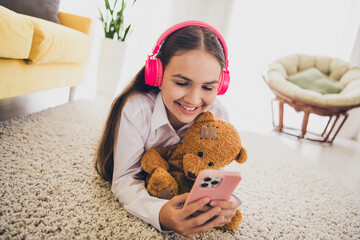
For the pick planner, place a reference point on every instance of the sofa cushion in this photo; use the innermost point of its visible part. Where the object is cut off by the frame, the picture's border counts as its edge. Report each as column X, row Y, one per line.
column 54, row 43
column 80, row 23
column 16, row 35
column 45, row 9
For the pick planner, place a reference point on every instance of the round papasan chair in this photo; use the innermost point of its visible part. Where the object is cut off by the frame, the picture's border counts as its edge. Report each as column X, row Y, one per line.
column 314, row 84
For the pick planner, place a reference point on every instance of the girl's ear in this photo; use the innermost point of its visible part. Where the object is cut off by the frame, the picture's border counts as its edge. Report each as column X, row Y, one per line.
column 242, row 156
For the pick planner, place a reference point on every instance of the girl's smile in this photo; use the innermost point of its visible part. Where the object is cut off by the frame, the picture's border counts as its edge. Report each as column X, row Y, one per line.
column 187, row 110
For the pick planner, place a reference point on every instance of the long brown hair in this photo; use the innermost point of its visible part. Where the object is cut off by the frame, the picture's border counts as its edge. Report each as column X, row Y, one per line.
column 184, row 39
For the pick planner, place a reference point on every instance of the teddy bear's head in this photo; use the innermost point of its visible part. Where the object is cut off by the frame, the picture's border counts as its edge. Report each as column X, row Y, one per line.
column 210, row 144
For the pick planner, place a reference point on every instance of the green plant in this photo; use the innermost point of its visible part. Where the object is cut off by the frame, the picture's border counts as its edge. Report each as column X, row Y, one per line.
column 113, row 20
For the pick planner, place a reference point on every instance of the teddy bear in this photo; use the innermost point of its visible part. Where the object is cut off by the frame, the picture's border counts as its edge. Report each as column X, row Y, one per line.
column 209, row 143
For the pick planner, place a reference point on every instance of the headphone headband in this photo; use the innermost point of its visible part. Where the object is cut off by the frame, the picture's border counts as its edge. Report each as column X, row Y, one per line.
column 186, row 24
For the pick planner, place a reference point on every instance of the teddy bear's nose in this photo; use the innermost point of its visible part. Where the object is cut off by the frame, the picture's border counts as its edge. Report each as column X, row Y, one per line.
column 191, row 175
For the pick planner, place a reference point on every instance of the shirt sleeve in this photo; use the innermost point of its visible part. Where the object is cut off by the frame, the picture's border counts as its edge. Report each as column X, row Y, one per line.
column 127, row 187
column 237, row 199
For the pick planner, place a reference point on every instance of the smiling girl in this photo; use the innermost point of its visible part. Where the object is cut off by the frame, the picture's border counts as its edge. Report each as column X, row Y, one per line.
column 179, row 81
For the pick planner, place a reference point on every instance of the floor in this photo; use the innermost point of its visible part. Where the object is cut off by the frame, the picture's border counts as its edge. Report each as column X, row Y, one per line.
column 341, row 159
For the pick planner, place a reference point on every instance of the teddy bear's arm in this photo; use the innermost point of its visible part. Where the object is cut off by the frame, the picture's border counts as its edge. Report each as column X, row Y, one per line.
column 153, row 159
column 242, row 156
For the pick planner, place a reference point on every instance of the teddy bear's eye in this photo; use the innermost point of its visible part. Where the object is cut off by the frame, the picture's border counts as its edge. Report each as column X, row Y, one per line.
column 200, row 154
column 210, row 164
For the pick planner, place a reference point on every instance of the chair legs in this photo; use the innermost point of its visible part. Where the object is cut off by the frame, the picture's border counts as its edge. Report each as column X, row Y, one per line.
column 337, row 117
column 329, row 133
column 304, row 123
column 281, row 115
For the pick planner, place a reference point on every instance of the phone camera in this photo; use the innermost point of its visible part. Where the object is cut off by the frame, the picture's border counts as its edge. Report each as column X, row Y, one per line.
column 204, row 185
column 211, row 182
column 207, row 179
column 215, row 182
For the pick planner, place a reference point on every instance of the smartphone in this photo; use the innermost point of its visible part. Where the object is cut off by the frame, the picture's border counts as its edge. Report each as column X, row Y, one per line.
column 215, row 184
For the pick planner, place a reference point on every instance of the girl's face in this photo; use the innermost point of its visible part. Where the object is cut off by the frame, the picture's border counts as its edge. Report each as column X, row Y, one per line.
column 189, row 85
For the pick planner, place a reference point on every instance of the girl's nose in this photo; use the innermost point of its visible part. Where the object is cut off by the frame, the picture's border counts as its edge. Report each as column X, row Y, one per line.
column 193, row 96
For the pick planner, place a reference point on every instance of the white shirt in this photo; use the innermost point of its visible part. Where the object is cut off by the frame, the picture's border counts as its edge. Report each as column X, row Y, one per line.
column 144, row 124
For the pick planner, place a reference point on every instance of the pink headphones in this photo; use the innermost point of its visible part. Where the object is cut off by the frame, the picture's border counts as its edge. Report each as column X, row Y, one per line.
column 154, row 68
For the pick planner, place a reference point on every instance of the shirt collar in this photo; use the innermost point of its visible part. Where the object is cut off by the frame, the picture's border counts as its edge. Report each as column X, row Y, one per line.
column 159, row 116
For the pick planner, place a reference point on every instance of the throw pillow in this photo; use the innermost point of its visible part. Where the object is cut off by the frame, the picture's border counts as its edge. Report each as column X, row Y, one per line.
column 45, row 9
column 313, row 79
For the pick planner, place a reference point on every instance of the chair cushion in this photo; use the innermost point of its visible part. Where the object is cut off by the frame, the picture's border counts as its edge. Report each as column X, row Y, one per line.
column 45, row 9
column 341, row 73
column 313, row 79
column 16, row 33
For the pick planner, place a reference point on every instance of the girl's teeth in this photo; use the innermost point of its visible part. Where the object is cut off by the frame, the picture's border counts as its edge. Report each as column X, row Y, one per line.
column 186, row 108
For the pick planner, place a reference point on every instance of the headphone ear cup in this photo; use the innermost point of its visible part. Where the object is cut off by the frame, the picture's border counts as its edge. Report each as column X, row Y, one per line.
column 159, row 73
column 224, row 81
column 153, row 72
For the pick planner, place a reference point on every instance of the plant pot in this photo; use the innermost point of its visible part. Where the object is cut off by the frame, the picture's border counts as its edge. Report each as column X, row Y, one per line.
column 110, row 66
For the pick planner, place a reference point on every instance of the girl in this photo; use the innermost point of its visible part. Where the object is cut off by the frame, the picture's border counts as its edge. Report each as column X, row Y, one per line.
column 180, row 80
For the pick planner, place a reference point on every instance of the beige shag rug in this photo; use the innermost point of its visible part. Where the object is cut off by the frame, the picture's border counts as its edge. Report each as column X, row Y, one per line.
column 49, row 189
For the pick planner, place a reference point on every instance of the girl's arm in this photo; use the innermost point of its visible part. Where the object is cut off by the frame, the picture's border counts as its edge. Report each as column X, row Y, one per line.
column 127, row 187
column 136, row 200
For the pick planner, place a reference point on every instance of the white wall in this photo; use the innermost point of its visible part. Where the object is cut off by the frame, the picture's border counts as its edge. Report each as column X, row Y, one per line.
column 257, row 32
column 262, row 31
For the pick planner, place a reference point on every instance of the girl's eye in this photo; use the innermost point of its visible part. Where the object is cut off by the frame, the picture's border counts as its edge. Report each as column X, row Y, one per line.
column 207, row 88
column 181, row 83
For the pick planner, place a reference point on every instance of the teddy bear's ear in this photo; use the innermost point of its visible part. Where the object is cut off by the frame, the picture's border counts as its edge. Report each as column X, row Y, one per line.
column 205, row 117
column 242, row 156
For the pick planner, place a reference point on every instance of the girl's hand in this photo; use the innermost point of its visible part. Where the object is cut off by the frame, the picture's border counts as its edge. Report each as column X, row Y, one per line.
column 173, row 216
column 228, row 209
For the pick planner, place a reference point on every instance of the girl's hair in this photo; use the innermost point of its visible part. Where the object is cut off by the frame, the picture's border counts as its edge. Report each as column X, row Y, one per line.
column 185, row 39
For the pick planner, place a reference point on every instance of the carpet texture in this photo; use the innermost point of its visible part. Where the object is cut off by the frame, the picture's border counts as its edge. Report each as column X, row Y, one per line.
column 49, row 189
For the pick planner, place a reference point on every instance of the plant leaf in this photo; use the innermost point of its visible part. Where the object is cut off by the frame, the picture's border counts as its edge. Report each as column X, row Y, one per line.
column 113, row 20
column 101, row 16
column 126, row 32
column 115, row 4
column 107, row 5
column 123, row 5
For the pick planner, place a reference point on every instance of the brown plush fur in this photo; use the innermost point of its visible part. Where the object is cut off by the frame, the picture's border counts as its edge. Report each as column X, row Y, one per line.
column 172, row 170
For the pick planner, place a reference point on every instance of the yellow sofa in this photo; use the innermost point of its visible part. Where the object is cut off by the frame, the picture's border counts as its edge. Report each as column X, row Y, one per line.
column 37, row 55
